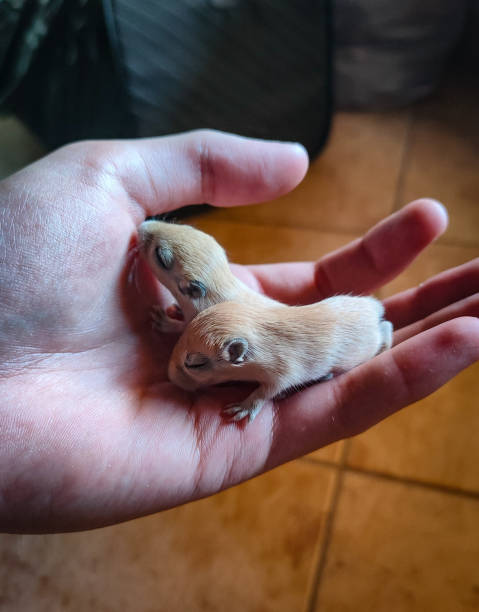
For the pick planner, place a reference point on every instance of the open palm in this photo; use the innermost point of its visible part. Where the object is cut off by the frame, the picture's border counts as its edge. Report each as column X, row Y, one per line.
column 91, row 431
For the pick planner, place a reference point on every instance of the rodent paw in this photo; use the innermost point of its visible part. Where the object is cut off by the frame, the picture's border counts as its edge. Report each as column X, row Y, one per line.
column 162, row 323
column 235, row 412
column 174, row 312
column 238, row 412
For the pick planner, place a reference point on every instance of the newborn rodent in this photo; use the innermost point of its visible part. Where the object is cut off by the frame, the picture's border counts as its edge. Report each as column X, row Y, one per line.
column 195, row 269
column 280, row 347
column 232, row 333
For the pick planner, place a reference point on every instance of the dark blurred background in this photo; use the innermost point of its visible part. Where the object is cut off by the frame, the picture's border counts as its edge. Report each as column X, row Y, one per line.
column 75, row 69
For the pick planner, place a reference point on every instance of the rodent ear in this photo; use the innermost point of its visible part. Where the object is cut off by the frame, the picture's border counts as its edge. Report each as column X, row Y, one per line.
column 235, row 350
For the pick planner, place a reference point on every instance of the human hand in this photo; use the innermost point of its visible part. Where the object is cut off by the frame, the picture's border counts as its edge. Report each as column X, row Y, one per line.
column 91, row 431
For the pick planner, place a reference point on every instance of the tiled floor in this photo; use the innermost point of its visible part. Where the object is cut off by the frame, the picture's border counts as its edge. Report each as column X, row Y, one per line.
column 387, row 521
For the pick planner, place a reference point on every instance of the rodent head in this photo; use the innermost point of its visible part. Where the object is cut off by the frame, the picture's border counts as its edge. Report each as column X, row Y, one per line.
column 216, row 347
column 190, row 263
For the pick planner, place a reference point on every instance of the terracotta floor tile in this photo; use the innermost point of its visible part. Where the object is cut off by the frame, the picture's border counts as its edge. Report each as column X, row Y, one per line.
column 350, row 186
column 399, row 548
column 331, row 453
column 18, row 147
column 250, row 548
column 442, row 159
column 247, row 243
column 433, row 260
column 433, row 440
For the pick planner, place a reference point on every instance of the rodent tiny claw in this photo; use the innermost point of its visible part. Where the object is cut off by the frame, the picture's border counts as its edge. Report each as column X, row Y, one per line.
column 237, row 412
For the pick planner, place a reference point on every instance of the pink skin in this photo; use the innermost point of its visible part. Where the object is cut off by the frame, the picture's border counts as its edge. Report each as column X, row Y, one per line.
column 91, row 431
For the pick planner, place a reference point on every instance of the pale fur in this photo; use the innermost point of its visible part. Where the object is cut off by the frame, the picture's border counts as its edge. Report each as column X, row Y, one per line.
column 286, row 346
column 196, row 257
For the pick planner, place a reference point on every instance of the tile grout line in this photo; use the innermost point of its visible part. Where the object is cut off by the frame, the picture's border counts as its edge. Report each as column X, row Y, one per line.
column 328, row 530
column 404, row 163
column 423, row 484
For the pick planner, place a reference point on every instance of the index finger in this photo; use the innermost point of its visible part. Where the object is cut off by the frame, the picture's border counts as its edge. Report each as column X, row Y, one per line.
column 361, row 266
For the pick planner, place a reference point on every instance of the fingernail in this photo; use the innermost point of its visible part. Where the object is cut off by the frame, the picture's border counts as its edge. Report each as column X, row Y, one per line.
column 442, row 208
column 298, row 148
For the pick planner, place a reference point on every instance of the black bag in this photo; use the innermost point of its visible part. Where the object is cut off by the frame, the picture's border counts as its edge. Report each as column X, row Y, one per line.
column 260, row 68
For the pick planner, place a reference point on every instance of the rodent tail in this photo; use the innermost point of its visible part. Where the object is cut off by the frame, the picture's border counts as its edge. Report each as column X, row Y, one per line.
column 386, row 328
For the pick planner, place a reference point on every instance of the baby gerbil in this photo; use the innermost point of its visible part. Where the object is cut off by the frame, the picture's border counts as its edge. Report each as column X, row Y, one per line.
column 233, row 333
column 194, row 267
column 279, row 346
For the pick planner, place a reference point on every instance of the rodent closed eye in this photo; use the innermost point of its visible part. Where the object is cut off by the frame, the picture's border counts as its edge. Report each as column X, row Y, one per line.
column 194, row 289
column 196, row 360
column 164, row 257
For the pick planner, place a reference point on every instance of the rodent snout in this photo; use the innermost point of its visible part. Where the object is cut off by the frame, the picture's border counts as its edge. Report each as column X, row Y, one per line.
column 144, row 237
column 179, row 377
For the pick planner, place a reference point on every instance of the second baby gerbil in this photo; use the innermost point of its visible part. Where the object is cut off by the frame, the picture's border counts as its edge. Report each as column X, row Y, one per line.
column 280, row 347
column 193, row 266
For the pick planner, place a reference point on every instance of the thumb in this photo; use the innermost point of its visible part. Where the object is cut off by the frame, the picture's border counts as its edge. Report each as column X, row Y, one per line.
column 160, row 174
